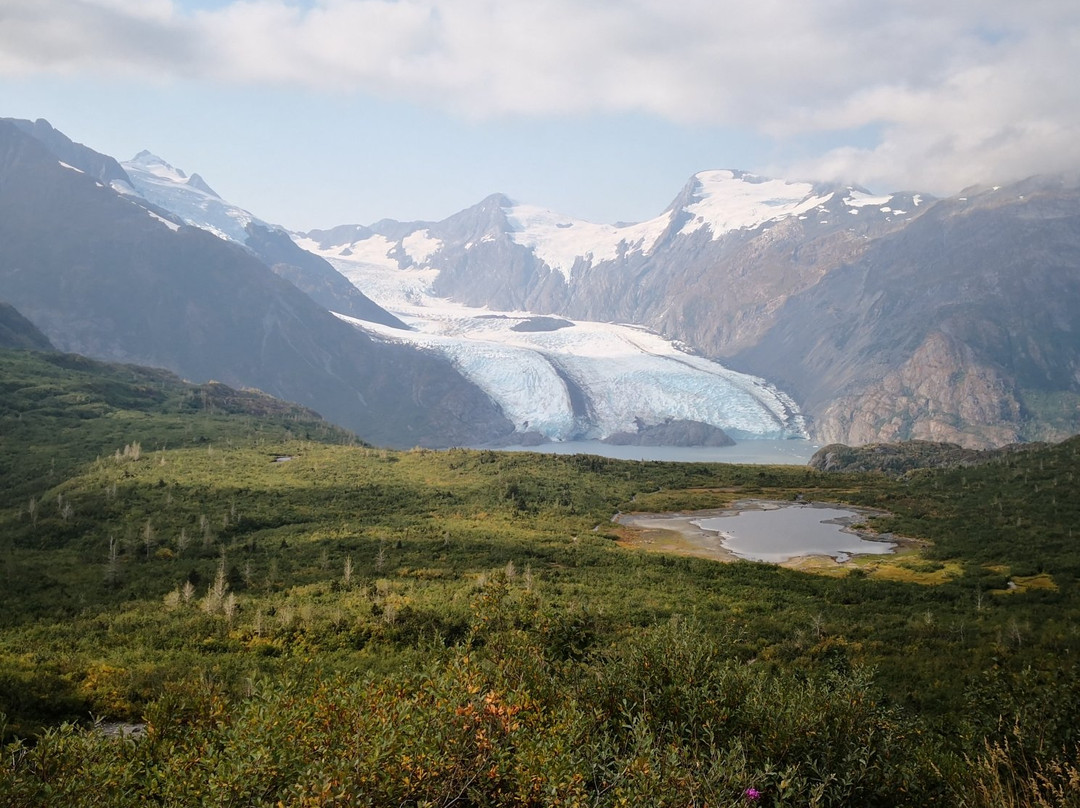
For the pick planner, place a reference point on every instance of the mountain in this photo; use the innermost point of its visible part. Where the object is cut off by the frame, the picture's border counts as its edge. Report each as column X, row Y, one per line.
column 113, row 276
column 884, row 317
column 195, row 203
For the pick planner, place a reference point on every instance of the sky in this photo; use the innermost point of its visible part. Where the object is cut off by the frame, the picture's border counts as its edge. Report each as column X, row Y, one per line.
column 314, row 113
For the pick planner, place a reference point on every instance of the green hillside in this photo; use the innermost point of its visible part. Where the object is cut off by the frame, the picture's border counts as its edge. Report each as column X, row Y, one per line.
column 286, row 617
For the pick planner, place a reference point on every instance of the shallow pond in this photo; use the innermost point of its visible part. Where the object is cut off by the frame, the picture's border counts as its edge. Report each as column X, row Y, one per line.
column 779, row 533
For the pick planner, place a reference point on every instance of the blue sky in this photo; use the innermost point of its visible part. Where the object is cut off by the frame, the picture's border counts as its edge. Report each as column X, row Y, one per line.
column 324, row 112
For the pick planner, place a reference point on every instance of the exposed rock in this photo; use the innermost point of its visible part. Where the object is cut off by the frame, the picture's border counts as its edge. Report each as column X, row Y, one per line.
column 672, row 433
column 542, row 324
column 942, row 393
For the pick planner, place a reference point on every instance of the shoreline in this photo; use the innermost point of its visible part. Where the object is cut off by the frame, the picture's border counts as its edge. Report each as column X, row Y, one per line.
column 678, row 532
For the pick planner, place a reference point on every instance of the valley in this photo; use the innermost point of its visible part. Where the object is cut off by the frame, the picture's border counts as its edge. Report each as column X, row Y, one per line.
column 750, row 308
column 569, row 380
column 236, row 516
column 398, row 626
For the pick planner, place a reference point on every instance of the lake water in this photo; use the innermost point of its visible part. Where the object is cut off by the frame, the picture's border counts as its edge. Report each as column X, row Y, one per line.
column 781, row 533
column 761, row 452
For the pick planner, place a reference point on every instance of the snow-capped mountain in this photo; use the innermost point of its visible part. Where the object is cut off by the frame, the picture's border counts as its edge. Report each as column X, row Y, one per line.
column 189, row 198
column 581, row 378
column 196, row 204
column 884, row 317
column 585, row 380
column 113, row 276
column 879, row 317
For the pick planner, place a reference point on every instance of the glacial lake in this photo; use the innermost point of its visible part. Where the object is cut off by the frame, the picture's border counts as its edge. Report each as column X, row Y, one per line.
column 758, row 452
column 778, row 533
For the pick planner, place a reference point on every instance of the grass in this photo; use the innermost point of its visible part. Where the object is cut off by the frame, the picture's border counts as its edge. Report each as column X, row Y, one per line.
column 468, row 623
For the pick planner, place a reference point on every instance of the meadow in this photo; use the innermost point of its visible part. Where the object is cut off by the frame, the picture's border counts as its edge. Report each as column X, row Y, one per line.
column 212, row 598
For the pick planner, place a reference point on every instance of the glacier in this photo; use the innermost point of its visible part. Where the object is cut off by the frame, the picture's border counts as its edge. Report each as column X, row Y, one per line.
column 584, row 380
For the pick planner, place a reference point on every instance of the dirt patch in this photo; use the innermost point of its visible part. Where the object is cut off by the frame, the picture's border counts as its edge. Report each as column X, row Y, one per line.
column 673, row 533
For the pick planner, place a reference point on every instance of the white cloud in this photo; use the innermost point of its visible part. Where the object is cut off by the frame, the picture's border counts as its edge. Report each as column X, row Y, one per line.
column 965, row 90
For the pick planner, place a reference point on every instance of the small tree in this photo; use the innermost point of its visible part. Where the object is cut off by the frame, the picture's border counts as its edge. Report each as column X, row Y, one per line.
column 229, row 607
column 112, row 566
column 215, row 593
column 148, row 538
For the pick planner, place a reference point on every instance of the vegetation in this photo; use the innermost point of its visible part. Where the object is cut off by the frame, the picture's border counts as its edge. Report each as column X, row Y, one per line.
column 282, row 616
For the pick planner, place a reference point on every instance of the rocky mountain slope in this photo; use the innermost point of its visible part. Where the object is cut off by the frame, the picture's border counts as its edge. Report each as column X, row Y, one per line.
column 115, row 277
column 885, row 317
column 195, row 203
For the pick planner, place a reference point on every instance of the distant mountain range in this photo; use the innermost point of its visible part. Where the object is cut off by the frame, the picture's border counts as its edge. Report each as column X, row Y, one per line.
column 884, row 317
column 754, row 306
column 553, row 379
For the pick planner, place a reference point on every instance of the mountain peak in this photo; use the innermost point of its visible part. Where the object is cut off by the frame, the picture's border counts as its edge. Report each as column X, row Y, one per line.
column 149, row 162
column 724, row 200
column 195, row 181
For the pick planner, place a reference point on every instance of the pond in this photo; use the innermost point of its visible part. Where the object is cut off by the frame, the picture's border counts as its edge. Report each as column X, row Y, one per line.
column 778, row 532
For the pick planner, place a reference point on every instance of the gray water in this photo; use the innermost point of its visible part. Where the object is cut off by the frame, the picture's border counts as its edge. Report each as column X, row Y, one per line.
column 779, row 534
column 761, row 452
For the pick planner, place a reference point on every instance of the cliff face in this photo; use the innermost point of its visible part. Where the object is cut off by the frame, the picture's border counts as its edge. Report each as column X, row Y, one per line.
column 943, row 330
column 942, row 393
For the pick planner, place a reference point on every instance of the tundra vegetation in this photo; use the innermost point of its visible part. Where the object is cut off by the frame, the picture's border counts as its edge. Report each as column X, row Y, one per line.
column 211, row 598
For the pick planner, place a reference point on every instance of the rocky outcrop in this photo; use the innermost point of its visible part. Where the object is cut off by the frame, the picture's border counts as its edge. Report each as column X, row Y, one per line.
column 672, row 433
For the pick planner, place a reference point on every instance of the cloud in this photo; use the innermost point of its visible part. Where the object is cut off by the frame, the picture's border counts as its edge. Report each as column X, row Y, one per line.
column 960, row 91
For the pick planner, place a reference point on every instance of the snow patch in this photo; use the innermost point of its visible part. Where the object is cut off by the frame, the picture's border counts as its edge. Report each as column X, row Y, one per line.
column 70, row 168
column 860, row 199
column 420, row 246
column 171, row 225
column 559, row 241
column 727, row 201
column 123, row 188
